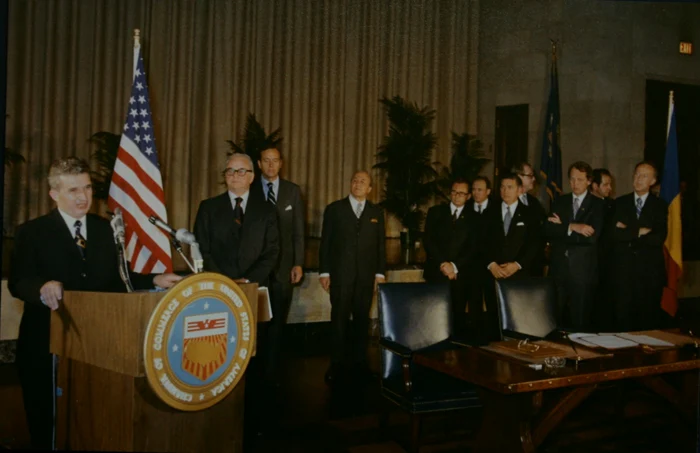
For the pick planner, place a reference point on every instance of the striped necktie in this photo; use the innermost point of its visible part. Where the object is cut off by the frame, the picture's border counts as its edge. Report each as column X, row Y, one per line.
column 271, row 193
column 79, row 239
column 640, row 205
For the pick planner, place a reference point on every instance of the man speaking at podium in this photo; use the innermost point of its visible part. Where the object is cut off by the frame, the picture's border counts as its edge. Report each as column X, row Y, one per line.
column 65, row 250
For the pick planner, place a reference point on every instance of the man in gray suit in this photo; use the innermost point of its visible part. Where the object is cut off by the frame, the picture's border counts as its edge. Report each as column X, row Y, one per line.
column 286, row 196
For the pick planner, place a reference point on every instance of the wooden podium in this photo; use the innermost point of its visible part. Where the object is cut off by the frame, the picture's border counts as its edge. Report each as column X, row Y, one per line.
column 104, row 400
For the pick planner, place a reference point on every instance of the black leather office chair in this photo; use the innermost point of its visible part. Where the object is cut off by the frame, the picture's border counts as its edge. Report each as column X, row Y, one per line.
column 416, row 317
column 526, row 307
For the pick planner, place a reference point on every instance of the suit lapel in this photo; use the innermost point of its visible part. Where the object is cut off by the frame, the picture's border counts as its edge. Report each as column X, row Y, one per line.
column 64, row 235
column 225, row 214
column 517, row 218
column 282, row 196
column 585, row 207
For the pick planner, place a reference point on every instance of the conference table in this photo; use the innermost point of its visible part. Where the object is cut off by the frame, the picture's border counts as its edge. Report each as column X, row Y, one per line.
column 522, row 405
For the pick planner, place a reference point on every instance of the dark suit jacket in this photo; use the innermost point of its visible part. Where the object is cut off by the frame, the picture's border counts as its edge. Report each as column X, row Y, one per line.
column 521, row 243
column 538, row 213
column 238, row 251
column 448, row 240
column 479, row 223
column 352, row 249
column 575, row 250
column 290, row 220
column 643, row 255
column 45, row 250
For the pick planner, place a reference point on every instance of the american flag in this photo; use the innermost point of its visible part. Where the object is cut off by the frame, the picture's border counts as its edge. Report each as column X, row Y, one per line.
column 137, row 185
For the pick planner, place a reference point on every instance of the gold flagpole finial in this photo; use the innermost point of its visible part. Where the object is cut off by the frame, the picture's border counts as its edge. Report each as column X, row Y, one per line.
column 137, row 37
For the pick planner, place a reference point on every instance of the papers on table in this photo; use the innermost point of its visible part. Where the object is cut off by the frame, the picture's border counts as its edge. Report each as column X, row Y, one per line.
column 645, row 339
column 616, row 341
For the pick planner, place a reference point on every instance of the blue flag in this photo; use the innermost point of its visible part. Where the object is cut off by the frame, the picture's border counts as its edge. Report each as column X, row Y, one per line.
column 550, row 165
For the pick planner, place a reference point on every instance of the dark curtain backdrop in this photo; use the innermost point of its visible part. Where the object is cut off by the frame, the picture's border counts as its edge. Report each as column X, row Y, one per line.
column 314, row 68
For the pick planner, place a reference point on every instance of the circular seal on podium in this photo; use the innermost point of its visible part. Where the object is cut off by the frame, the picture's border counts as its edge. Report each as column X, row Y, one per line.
column 198, row 341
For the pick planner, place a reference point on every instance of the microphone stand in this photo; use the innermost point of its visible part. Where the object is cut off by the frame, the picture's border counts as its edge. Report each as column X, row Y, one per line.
column 117, row 224
column 123, row 268
column 178, row 247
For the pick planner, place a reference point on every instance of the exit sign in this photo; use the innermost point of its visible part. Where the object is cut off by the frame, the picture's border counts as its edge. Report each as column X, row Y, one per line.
column 686, row 48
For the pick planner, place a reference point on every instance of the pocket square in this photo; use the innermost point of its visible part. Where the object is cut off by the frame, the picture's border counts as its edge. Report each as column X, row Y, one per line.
column 520, row 224
column 374, row 220
column 288, row 208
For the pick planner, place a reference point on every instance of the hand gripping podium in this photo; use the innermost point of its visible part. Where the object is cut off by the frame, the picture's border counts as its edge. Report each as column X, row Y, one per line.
column 106, row 398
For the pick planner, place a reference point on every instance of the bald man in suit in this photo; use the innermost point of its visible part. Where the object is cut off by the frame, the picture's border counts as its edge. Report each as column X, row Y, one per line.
column 352, row 261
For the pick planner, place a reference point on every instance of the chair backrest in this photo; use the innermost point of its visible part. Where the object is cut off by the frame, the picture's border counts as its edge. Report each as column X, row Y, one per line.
column 527, row 306
column 414, row 315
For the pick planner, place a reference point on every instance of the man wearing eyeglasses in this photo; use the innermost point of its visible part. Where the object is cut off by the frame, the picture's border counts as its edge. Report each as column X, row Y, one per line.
column 450, row 245
column 237, row 233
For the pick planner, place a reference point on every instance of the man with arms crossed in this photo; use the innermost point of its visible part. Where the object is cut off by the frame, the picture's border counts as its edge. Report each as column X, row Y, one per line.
column 573, row 229
column 640, row 228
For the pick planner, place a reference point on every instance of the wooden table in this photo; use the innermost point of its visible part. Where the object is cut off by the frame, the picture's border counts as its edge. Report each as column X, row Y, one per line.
column 518, row 417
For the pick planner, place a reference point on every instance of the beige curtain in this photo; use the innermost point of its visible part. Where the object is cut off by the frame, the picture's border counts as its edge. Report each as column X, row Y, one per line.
column 314, row 68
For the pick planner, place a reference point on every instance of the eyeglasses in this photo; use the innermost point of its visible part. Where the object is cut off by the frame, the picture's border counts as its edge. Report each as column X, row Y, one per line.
column 239, row 171
column 461, row 194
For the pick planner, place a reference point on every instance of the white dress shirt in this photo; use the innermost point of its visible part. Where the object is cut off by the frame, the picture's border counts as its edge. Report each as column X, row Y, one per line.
column 70, row 222
column 354, row 202
column 505, row 206
column 454, row 208
column 483, row 205
column 580, row 203
column 643, row 197
column 275, row 186
column 244, row 203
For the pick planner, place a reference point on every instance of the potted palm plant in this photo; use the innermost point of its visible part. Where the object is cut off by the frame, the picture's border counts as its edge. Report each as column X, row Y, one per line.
column 466, row 162
column 105, row 155
column 255, row 140
column 405, row 160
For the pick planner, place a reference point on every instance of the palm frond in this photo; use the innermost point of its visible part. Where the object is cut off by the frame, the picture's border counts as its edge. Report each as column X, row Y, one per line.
column 405, row 159
column 105, row 155
column 255, row 140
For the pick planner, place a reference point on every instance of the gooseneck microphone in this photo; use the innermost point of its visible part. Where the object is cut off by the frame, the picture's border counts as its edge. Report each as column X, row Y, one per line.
column 184, row 236
column 162, row 225
column 117, row 224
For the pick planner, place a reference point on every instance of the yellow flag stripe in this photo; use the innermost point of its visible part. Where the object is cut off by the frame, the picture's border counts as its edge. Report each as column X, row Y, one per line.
column 674, row 238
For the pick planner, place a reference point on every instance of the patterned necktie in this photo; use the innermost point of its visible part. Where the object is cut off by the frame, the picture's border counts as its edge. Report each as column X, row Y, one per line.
column 640, row 204
column 238, row 211
column 79, row 239
column 271, row 193
column 358, row 210
column 577, row 204
column 506, row 220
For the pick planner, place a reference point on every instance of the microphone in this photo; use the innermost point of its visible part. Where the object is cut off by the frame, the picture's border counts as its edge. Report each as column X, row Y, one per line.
column 117, row 224
column 181, row 235
column 163, row 226
column 185, row 237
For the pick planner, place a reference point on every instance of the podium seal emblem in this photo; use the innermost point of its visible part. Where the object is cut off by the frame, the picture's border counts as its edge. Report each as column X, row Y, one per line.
column 198, row 341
